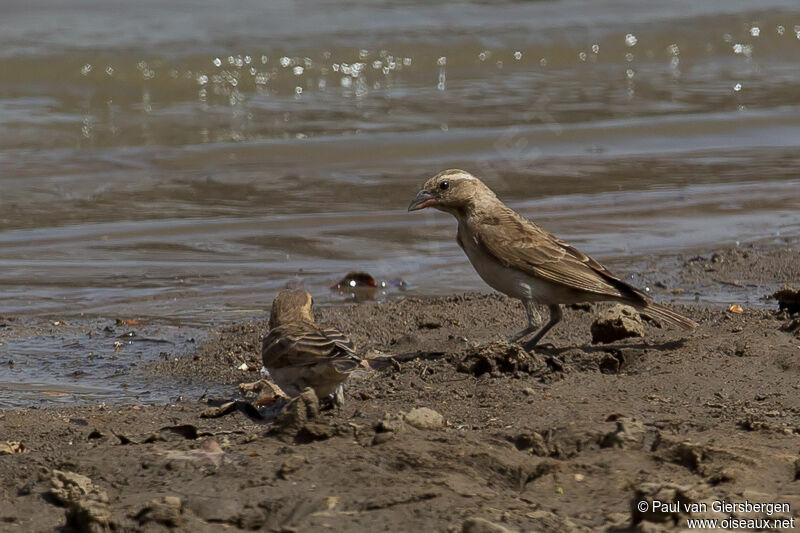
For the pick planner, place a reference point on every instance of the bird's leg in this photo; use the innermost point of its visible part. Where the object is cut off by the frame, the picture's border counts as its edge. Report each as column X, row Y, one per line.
column 338, row 396
column 333, row 400
column 534, row 319
column 555, row 317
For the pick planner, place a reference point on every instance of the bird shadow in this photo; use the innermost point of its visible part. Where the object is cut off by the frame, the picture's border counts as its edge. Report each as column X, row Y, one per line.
column 551, row 349
column 393, row 361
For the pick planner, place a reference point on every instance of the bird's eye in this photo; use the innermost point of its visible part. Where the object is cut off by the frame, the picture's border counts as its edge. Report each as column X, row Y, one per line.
column 444, row 185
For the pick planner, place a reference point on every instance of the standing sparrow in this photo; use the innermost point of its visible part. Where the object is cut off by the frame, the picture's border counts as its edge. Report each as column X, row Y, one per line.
column 518, row 258
column 299, row 354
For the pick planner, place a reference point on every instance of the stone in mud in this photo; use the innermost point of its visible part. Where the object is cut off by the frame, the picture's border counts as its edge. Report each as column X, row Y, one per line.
column 793, row 326
column 87, row 506
column 532, row 441
column 390, row 424
column 380, row 438
column 424, row 418
column 298, row 412
column 252, row 518
column 358, row 286
column 218, row 510
column 69, row 487
column 629, row 434
column 291, row 465
column 11, row 448
column 314, row 431
column 788, row 298
column 388, row 428
column 688, row 454
column 617, row 323
column 89, row 515
column 167, row 511
column 481, row 525
column 501, row 358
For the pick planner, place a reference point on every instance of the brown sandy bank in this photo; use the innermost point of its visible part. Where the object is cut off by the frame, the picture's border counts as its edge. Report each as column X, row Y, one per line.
column 564, row 440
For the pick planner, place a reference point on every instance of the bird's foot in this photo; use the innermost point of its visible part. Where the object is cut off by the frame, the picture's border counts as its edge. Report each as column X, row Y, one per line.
column 333, row 400
column 529, row 346
column 269, row 393
column 255, row 386
column 522, row 334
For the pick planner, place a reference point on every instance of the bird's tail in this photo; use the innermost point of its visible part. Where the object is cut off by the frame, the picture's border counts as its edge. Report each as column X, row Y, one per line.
column 665, row 314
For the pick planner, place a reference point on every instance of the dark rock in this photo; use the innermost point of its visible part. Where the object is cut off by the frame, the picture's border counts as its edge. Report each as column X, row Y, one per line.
column 187, row 431
column 502, row 358
column 788, row 298
column 388, row 428
column 616, row 323
column 532, row 441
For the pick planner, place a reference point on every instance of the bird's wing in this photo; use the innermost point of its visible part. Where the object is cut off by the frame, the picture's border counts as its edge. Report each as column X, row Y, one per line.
column 517, row 243
column 305, row 344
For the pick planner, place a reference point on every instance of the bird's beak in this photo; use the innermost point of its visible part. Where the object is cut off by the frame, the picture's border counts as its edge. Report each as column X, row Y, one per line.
column 422, row 200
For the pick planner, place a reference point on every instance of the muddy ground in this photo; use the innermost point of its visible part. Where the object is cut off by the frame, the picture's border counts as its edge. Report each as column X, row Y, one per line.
column 570, row 438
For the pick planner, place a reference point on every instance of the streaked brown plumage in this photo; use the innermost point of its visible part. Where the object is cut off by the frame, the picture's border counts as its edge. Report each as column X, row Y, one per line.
column 517, row 257
column 298, row 353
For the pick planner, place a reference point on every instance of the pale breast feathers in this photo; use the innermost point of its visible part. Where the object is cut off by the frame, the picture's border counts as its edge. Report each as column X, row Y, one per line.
column 520, row 244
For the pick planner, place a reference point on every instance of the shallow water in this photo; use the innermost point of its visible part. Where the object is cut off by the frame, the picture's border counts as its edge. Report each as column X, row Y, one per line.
column 181, row 163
